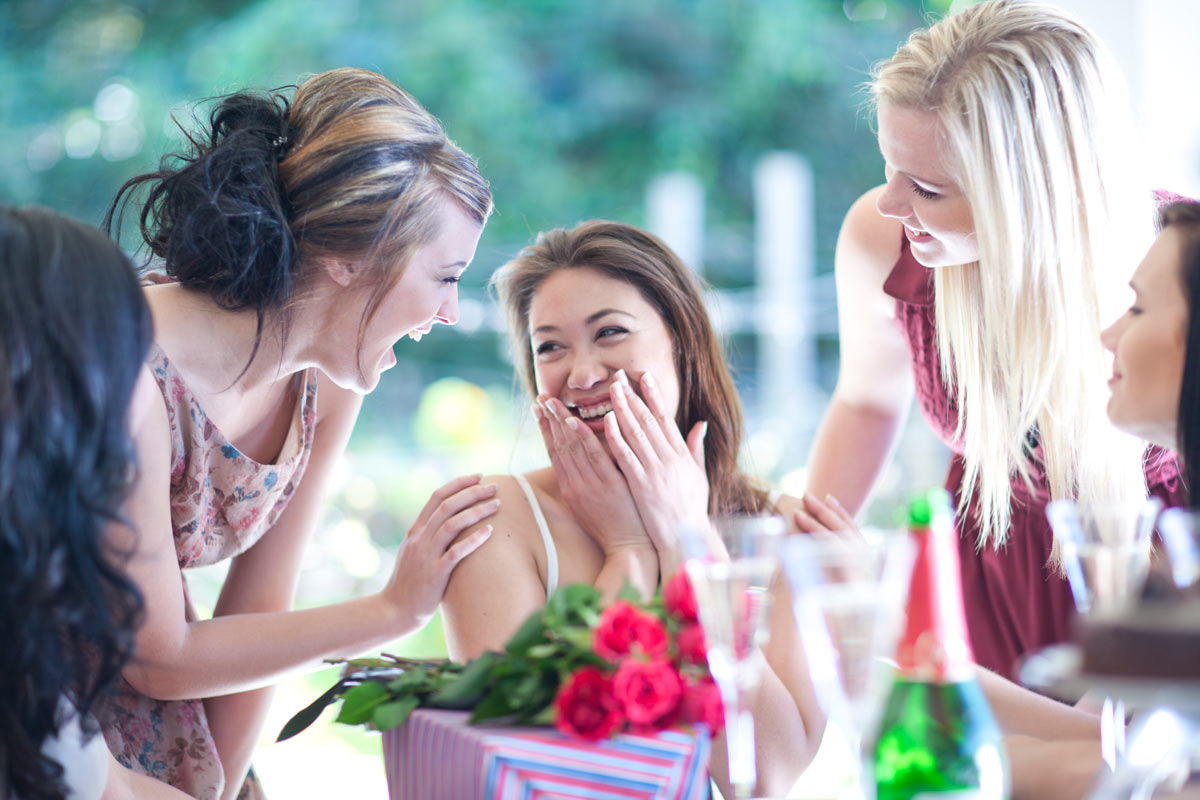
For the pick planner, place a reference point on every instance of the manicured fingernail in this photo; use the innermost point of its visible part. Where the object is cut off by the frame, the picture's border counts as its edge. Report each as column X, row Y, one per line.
column 648, row 379
column 572, row 423
column 550, row 407
column 537, row 412
column 617, row 391
column 622, row 377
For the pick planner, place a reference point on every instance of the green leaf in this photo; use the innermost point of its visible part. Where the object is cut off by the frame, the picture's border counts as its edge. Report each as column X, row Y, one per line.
column 543, row 717
column 545, row 650
column 466, row 689
column 393, row 714
column 531, row 632
column 495, row 705
column 308, row 715
column 360, row 702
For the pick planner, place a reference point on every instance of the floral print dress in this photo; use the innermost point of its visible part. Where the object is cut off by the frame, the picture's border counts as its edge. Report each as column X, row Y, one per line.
column 222, row 502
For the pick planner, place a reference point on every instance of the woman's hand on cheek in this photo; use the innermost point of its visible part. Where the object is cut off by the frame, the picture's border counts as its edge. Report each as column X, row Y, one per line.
column 665, row 471
column 591, row 485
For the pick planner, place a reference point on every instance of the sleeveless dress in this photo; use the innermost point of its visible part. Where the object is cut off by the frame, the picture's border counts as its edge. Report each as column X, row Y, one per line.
column 1015, row 602
column 222, row 502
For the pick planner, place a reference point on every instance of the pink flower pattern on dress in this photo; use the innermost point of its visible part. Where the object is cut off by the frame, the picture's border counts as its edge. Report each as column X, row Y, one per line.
column 222, row 502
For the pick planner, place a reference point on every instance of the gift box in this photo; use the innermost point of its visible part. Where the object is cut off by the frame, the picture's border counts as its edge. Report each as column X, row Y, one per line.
column 437, row 754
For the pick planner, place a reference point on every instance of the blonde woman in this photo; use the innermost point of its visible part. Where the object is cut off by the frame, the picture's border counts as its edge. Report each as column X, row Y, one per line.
column 302, row 239
column 978, row 279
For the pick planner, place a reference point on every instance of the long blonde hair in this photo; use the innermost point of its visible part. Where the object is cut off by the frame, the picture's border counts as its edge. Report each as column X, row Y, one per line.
column 1035, row 118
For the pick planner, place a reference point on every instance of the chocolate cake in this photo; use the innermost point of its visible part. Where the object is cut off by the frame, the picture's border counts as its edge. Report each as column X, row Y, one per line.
column 1159, row 639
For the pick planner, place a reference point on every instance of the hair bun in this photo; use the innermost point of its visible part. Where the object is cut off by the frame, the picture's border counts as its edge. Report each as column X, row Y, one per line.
column 220, row 220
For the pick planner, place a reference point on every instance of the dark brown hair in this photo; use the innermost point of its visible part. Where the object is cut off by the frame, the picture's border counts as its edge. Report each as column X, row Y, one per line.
column 352, row 167
column 1185, row 218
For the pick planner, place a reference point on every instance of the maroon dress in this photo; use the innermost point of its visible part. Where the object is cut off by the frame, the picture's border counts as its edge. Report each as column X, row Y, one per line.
column 1015, row 602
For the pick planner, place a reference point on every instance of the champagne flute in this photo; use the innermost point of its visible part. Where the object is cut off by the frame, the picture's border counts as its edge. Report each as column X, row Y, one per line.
column 848, row 599
column 1105, row 550
column 731, row 566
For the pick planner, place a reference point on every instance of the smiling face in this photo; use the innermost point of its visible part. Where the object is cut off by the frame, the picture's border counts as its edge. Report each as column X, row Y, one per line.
column 426, row 294
column 1149, row 344
column 920, row 190
column 584, row 326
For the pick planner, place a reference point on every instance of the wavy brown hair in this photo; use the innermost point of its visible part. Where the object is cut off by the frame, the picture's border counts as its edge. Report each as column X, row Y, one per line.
column 706, row 389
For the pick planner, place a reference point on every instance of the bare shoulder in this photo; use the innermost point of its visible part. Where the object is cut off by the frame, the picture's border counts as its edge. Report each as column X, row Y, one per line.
column 514, row 527
column 868, row 244
column 496, row 587
column 335, row 402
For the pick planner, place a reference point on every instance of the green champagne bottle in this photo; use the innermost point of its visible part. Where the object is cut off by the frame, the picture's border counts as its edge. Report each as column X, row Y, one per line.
column 937, row 737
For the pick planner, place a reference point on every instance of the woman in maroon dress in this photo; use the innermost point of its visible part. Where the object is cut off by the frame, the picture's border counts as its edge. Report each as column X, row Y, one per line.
column 978, row 279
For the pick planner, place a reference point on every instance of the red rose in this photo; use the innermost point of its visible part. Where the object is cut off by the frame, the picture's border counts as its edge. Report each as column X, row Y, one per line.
column 679, row 598
column 702, row 703
column 647, row 691
column 622, row 626
column 692, row 647
column 585, row 706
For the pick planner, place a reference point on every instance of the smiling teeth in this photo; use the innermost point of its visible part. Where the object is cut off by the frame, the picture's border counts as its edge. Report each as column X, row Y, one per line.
column 595, row 411
column 415, row 335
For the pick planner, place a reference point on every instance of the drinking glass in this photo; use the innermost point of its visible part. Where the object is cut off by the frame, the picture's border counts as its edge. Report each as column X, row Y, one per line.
column 1105, row 550
column 731, row 566
column 1180, row 532
column 848, row 598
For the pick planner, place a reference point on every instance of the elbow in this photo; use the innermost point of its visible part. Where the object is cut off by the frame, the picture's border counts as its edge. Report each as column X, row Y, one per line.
column 157, row 671
column 158, row 682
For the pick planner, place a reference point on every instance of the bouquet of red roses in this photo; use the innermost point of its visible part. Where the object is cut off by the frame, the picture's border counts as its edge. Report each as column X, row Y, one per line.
column 653, row 671
column 590, row 671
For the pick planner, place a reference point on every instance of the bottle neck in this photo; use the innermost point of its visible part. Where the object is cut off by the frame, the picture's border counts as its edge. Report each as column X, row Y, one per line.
column 935, row 647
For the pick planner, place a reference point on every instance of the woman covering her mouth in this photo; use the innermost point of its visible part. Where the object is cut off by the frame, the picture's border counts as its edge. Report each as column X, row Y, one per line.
column 642, row 426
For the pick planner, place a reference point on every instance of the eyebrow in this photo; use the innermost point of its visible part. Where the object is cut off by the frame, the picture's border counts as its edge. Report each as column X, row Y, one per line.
column 591, row 319
column 923, row 181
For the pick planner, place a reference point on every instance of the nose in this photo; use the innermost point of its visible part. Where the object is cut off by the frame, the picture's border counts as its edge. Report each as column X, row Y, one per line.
column 1111, row 335
column 891, row 201
column 448, row 313
column 587, row 370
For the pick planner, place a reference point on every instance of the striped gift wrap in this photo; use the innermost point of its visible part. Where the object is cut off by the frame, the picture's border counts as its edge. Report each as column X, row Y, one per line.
column 437, row 755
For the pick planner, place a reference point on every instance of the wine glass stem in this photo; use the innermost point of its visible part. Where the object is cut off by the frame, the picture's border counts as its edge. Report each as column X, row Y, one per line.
column 739, row 742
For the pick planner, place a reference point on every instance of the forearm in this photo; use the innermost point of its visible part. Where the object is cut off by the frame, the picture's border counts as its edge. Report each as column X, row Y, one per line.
column 788, row 721
column 783, row 745
column 1042, row 770
column 636, row 567
column 1020, row 711
column 852, row 446
column 236, row 722
column 242, row 652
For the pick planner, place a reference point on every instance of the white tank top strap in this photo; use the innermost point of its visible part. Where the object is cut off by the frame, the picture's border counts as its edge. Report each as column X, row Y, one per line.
column 547, row 539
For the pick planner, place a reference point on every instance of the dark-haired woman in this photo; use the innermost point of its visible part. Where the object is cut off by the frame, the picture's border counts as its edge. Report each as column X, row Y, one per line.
column 1155, row 385
column 74, row 330
column 301, row 240
column 1155, row 395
